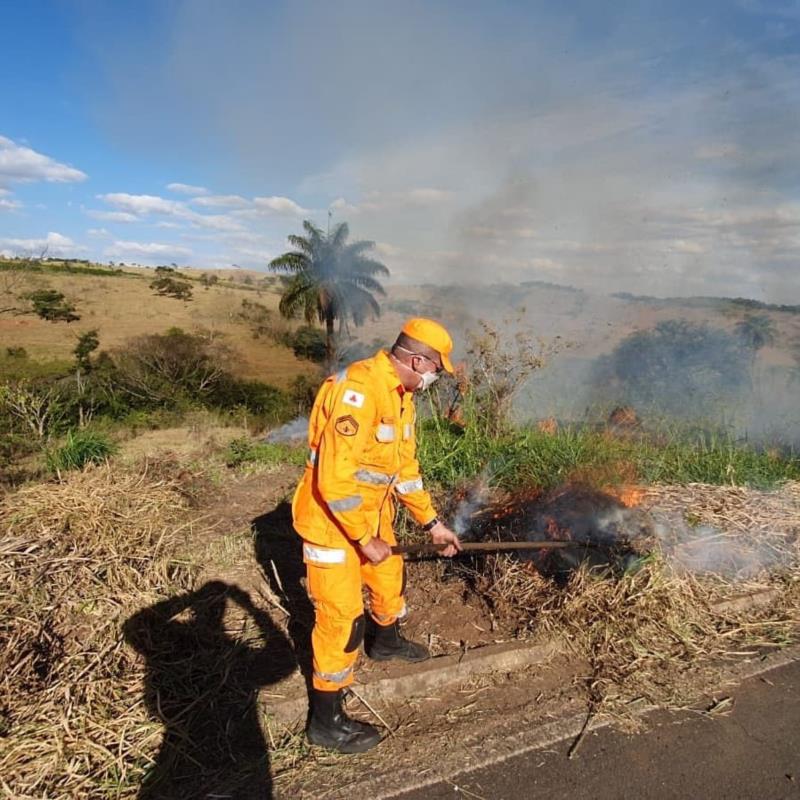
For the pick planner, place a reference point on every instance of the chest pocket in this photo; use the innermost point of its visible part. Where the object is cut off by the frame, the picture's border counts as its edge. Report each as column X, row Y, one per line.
column 385, row 431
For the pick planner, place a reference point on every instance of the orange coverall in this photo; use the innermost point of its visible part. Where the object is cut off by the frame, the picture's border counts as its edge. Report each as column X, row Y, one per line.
column 362, row 457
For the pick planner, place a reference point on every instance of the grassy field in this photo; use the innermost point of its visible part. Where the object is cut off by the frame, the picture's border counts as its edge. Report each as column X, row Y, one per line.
column 123, row 307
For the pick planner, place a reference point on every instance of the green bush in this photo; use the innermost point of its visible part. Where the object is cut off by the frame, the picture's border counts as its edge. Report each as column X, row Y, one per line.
column 80, row 448
column 308, row 342
column 268, row 403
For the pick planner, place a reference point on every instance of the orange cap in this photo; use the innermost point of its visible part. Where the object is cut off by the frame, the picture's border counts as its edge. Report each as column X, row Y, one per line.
column 432, row 334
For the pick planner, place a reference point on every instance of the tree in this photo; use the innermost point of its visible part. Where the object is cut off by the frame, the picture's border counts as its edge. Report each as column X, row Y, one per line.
column 678, row 366
column 38, row 408
column 756, row 331
column 87, row 343
column 169, row 287
column 52, row 306
column 14, row 276
column 328, row 279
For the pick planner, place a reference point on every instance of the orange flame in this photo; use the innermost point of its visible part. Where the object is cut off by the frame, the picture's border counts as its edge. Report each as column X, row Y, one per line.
column 630, row 496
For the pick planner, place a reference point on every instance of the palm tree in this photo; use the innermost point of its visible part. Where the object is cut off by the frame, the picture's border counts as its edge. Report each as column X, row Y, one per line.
column 756, row 331
column 330, row 280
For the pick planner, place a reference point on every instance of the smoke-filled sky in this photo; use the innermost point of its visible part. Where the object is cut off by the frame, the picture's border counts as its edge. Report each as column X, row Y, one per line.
column 648, row 147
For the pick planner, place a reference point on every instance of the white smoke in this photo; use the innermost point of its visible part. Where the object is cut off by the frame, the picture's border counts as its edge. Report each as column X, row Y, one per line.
column 474, row 500
column 294, row 432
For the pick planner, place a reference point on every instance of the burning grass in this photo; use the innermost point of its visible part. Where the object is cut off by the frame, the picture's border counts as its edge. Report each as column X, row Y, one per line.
column 645, row 629
column 75, row 558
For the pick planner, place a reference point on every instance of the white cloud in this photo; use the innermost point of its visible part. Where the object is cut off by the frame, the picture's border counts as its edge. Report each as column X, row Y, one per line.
column 112, row 216
column 6, row 204
column 341, row 206
column 125, row 249
column 280, row 205
column 20, row 164
column 168, row 225
column 683, row 246
column 98, row 232
column 216, row 222
column 221, row 201
column 186, row 188
column 386, row 249
column 141, row 204
column 54, row 243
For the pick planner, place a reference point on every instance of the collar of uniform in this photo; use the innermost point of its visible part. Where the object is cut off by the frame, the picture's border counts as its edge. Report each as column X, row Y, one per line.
column 388, row 371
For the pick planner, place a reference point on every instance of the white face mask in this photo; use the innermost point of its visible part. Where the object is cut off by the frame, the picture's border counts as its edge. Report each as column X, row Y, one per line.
column 428, row 379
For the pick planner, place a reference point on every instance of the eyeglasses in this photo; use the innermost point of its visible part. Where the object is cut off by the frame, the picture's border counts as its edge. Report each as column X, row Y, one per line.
column 437, row 367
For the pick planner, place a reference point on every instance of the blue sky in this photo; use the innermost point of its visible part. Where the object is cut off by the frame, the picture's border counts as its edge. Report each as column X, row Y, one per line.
column 648, row 147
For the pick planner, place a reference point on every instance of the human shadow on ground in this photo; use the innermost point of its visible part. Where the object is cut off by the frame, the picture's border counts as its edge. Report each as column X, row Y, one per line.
column 202, row 684
column 279, row 551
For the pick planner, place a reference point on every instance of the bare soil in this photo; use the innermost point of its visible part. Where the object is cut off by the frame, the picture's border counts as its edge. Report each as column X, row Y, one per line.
column 245, row 538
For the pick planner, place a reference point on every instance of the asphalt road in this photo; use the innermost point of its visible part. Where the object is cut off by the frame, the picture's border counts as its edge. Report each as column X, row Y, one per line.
column 751, row 752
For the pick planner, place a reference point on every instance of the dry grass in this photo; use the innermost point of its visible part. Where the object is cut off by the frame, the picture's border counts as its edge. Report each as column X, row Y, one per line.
column 75, row 558
column 645, row 632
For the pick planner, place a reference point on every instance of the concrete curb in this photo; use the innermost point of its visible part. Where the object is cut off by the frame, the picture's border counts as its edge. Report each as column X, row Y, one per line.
column 431, row 675
column 445, row 670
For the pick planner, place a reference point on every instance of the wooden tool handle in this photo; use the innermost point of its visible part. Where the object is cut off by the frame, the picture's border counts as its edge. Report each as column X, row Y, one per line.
column 428, row 548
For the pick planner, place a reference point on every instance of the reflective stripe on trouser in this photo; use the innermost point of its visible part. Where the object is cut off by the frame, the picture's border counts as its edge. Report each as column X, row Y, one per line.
column 335, row 576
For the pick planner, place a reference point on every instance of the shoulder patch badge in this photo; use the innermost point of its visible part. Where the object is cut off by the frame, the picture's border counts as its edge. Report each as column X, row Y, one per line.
column 347, row 426
column 351, row 398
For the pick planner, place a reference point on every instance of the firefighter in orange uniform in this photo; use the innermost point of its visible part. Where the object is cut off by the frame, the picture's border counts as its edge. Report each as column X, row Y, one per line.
column 361, row 461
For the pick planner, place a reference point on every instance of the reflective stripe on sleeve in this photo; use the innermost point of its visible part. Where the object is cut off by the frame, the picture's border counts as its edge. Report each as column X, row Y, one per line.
column 406, row 487
column 369, row 476
column 345, row 503
column 408, row 429
column 323, row 555
column 334, row 677
column 312, row 456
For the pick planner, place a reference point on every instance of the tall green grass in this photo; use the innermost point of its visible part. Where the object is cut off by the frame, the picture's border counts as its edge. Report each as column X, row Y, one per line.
column 523, row 456
column 244, row 451
column 80, row 448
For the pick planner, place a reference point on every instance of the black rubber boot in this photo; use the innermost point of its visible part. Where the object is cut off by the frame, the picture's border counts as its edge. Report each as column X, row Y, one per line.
column 385, row 642
column 330, row 727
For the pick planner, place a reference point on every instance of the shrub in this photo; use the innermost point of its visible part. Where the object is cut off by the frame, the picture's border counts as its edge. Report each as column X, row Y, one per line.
column 308, row 342
column 81, row 448
column 52, row 306
column 265, row 401
column 167, row 369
